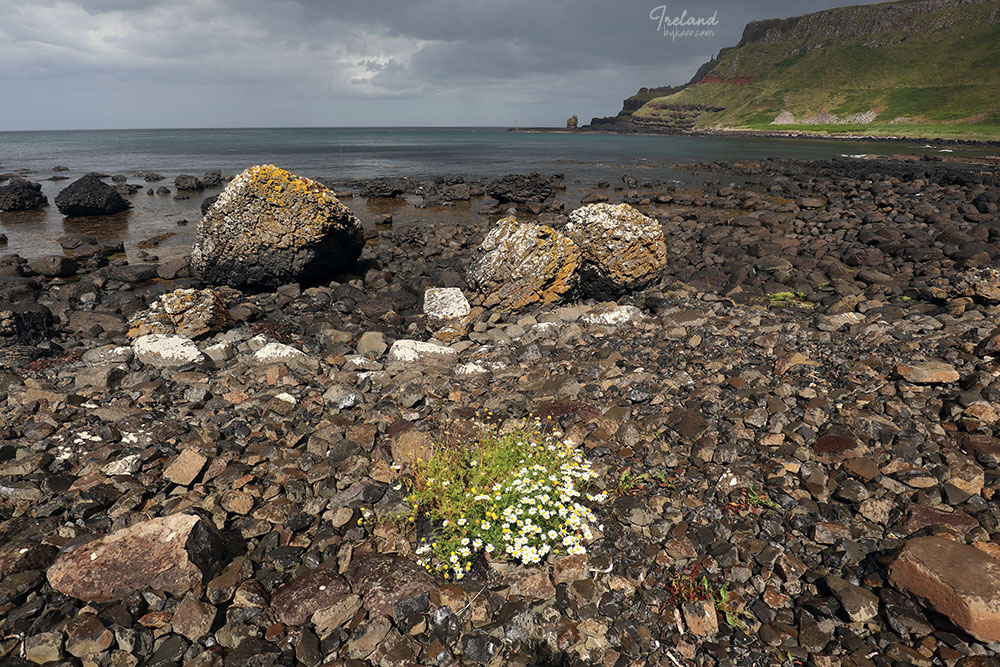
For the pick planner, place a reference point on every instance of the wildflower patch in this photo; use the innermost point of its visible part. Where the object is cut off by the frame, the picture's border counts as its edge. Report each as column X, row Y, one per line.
column 516, row 496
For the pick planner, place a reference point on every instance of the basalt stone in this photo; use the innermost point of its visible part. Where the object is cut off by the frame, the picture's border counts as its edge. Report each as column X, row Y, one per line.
column 623, row 250
column 175, row 554
column 54, row 266
column 518, row 265
column 188, row 182
column 956, row 580
column 25, row 323
column 308, row 593
column 382, row 188
column 384, row 580
column 90, row 196
column 270, row 227
column 521, row 188
column 21, row 195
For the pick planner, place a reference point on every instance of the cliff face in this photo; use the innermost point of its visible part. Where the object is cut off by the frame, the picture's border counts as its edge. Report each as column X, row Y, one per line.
column 912, row 63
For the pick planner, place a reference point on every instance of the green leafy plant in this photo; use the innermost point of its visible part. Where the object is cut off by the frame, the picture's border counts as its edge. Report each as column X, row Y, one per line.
column 513, row 495
column 790, row 299
column 688, row 586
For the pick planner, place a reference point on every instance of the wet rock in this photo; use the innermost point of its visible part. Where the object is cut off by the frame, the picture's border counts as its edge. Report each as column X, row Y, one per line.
column 255, row 234
column 172, row 554
column 188, row 182
column 623, row 250
column 90, row 196
column 518, row 265
column 54, row 266
column 956, row 580
column 166, row 351
column 521, row 188
column 382, row 188
column 185, row 312
column 21, row 195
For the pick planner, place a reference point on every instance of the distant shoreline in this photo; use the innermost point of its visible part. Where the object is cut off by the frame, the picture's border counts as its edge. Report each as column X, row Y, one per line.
column 764, row 134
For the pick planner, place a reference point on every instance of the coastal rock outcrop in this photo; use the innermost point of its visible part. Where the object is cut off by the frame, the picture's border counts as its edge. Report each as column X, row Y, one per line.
column 519, row 264
column 188, row 182
column 90, row 196
column 21, row 195
column 270, row 227
column 622, row 249
column 521, row 188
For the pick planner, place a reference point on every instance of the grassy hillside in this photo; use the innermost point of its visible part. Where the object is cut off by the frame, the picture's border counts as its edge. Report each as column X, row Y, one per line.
column 916, row 67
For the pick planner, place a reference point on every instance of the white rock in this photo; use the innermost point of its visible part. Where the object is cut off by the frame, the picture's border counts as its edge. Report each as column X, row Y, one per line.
column 166, row 350
column 614, row 316
column 471, row 368
column 415, row 350
column 279, row 353
column 127, row 465
column 108, row 354
column 445, row 303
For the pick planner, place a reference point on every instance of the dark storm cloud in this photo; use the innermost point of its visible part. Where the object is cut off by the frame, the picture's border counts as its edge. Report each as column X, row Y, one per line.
column 287, row 62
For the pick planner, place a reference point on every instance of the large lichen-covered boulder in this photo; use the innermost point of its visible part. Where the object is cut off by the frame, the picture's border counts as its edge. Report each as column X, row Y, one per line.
column 623, row 250
column 270, row 227
column 520, row 264
column 187, row 312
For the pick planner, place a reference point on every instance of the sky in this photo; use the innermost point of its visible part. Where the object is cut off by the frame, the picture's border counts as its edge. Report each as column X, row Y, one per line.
column 106, row 64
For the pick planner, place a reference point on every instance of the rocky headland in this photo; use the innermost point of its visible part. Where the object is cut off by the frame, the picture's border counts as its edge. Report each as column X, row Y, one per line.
column 785, row 378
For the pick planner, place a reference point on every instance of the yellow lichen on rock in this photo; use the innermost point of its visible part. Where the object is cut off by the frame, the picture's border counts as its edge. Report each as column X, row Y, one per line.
column 270, row 226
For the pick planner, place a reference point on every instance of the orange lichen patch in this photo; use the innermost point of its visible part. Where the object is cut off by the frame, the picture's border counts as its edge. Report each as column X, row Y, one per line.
column 521, row 264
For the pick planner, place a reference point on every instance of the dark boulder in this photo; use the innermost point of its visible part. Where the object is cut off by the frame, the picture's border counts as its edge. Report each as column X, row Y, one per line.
column 270, row 227
column 383, row 188
column 188, row 182
column 207, row 204
column 212, row 179
column 25, row 323
column 55, row 266
column 521, row 188
column 21, row 195
column 90, row 196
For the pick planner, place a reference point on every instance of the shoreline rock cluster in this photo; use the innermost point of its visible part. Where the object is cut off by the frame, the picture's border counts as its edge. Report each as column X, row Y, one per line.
column 802, row 407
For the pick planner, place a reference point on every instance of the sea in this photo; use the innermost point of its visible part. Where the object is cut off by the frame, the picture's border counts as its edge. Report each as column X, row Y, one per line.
column 343, row 155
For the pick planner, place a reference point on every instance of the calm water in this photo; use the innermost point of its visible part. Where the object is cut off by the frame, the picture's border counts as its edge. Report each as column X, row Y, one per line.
column 344, row 154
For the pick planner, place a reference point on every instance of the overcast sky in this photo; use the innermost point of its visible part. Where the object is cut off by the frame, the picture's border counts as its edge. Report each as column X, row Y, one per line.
column 280, row 63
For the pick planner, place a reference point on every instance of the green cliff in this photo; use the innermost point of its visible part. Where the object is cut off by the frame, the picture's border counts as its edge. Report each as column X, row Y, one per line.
column 928, row 68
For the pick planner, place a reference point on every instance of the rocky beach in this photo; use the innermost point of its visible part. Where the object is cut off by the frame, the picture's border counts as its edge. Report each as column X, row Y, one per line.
column 783, row 373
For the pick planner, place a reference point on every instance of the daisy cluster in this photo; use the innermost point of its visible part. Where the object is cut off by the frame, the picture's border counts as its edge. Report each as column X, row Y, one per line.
column 516, row 496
